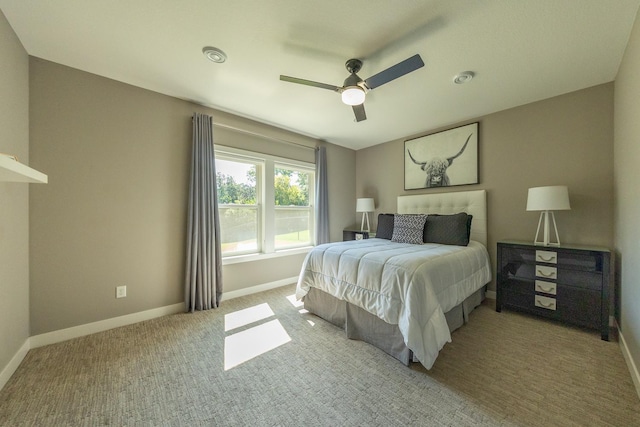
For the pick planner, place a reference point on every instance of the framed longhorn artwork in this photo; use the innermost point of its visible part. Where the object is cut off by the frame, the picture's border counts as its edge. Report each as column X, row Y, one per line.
column 442, row 159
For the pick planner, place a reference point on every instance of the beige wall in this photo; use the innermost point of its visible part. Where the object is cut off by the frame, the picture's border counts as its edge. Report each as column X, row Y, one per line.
column 14, row 197
column 342, row 190
column 566, row 140
column 627, row 200
column 114, row 212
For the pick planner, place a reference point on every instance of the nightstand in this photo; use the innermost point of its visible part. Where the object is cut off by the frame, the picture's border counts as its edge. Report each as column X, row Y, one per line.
column 566, row 283
column 354, row 233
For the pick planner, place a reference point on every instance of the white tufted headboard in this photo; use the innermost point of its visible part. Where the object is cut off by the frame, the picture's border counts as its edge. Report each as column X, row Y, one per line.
column 471, row 202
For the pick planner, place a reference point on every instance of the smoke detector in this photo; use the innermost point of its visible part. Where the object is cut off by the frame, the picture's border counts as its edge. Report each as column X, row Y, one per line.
column 214, row 54
column 463, row 77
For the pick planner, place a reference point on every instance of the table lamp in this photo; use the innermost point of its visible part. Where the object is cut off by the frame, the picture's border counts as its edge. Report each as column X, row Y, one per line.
column 365, row 205
column 547, row 200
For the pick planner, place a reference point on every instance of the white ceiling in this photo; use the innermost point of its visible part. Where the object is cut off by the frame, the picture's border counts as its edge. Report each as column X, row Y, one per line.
column 521, row 51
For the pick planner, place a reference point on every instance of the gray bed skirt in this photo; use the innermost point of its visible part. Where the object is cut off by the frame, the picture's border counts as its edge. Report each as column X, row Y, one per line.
column 364, row 326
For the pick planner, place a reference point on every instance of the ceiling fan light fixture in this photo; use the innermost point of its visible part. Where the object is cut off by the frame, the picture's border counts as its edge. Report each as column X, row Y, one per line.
column 214, row 54
column 353, row 95
column 354, row 89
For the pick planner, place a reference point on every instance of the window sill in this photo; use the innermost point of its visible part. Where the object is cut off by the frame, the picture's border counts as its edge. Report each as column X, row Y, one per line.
column 259, row 257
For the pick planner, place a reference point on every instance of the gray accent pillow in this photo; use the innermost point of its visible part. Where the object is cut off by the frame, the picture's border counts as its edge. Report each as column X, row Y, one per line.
column 408, row 228
column 385, row 226
column 448, row 229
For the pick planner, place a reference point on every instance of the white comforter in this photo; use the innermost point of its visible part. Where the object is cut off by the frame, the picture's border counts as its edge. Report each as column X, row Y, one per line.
column 408, row 285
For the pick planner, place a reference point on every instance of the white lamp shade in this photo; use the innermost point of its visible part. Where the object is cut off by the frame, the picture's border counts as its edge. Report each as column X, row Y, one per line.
column 554, row 198
column 353, row 95
column 365, row 205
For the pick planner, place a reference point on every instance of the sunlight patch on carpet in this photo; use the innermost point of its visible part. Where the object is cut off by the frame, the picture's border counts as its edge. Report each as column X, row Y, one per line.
column 251, row 343
column 292, row 299
column 248, row 315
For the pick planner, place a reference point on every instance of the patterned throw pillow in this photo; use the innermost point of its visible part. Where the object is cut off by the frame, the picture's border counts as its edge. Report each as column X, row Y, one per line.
column 385, row 226
column 408, row 228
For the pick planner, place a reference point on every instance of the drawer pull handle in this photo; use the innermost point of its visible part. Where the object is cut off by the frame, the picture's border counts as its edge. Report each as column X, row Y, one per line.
column 545, row 305
column 541, row 273
column 551, row 258
column 545, row 290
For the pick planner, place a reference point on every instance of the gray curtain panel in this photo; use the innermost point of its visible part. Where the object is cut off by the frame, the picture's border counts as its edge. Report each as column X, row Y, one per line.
column 203, row 282
column 322, row 197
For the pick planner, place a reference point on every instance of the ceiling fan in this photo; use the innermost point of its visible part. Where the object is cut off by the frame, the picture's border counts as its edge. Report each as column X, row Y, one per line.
column 354, row 89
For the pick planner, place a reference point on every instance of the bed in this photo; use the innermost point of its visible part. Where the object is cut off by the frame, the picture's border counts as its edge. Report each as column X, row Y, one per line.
column 404, row 298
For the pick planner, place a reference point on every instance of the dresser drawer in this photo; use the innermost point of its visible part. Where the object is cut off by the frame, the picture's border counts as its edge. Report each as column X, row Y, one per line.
column 550, row 273
column 550, row 257
column 578, row 278
column 545, row 287
column 580, row 307
column 575, row 260
column 530, row 287
column 530, row 303
column 544, row 302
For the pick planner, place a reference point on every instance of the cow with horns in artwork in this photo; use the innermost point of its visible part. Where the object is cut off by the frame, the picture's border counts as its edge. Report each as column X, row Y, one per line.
column 436, row 168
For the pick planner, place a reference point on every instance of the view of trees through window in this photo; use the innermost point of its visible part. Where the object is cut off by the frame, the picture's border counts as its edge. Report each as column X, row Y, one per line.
column 291, row 188
column 292, row 210
column 239, row 189
column 237, row 204
column 231, row 192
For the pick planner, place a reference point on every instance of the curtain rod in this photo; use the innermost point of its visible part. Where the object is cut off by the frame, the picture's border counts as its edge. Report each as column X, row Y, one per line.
column 259, row 135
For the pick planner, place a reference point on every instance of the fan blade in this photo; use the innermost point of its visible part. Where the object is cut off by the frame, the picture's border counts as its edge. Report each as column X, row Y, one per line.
column 309, row 83
column 358, row 110
column 395, row 71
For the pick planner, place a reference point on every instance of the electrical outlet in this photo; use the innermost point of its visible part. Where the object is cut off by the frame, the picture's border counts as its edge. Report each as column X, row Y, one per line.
column 121, row 291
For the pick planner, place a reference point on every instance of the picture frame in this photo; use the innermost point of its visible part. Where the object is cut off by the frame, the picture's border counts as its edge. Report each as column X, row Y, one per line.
column 443, row 159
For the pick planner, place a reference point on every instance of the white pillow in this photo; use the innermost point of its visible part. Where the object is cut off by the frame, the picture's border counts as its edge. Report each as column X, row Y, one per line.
column 408, row 228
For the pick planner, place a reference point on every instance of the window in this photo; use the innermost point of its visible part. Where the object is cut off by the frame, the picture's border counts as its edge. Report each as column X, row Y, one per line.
column 265, row 202
column 238, row 187
column 293, row 209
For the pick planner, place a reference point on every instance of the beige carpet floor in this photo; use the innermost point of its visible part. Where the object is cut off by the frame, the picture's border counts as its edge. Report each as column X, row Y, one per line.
column 502, row 369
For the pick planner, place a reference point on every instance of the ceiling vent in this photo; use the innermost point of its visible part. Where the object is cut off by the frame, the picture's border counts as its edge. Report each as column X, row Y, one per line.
column 214, row 54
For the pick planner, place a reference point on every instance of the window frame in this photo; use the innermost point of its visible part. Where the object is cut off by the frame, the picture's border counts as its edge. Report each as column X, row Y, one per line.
column 265, row 199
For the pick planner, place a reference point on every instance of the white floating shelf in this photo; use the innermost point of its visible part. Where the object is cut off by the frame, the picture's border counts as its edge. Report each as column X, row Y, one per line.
column 14, row 171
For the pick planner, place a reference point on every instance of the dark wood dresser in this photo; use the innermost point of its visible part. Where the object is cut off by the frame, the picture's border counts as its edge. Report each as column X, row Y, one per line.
column 565, row 283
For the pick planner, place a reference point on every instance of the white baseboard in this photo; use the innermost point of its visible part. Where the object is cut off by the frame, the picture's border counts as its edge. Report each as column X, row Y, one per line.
column 633, row 369
column 258, row 288
column 115, row 322
column 103, row 325
column 13, row 364
column 490, row 294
